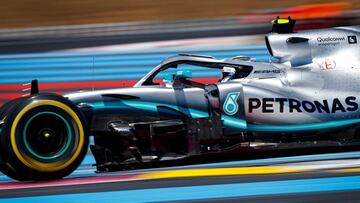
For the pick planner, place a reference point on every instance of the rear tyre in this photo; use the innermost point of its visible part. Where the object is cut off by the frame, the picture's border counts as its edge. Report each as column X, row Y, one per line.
column 44, row 137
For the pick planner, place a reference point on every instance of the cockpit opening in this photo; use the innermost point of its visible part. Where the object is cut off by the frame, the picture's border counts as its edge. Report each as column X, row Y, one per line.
column 195, row 72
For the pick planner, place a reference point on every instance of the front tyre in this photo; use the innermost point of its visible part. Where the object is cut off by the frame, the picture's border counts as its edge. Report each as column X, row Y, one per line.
column 45, row 137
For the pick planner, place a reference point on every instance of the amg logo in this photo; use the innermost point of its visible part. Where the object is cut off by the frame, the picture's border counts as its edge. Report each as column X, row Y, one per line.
column 266, row 71
column 352, row 39
column 270, row 105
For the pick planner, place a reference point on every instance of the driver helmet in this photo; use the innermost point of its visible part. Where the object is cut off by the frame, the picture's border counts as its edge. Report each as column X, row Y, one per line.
column 227, row 73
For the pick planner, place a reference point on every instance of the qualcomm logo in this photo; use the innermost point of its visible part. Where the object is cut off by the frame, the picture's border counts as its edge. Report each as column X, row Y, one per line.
column 230, row 106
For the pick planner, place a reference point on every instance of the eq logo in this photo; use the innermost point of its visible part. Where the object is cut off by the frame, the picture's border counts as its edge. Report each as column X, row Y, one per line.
column 328, row 64
column 230, row 106
column 352, row 39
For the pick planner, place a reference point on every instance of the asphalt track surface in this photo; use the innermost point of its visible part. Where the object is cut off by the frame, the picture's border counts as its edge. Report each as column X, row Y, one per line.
column 332, row 177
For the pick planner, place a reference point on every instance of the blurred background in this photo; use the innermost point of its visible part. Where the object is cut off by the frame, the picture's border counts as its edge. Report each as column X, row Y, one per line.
column 71, row 45
column 91, row 44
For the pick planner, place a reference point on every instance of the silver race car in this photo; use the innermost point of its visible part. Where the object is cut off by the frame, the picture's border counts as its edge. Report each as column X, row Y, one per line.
column 306, row 96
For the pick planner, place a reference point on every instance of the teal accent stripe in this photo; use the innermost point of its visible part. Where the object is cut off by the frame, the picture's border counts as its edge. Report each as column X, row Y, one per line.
column 148, row 106
column 151, row 106
column 234, row 122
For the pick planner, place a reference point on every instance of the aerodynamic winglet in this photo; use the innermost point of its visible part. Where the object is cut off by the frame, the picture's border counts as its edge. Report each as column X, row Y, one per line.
column 34, row 87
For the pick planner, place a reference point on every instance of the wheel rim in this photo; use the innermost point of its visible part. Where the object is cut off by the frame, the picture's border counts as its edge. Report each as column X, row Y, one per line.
column 42, row 165
column 50, row 139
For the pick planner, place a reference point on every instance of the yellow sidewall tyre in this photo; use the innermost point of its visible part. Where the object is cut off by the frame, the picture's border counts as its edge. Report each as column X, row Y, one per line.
column 5, row 167
column 45, row 137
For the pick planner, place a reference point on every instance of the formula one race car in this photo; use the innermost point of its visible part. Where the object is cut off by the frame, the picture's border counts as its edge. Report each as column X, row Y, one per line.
column 306, row 96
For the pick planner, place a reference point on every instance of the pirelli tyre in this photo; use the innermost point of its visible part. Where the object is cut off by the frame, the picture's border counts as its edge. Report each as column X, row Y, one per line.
column 5, row 167
column 43, row 137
